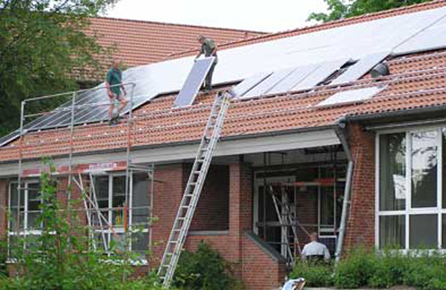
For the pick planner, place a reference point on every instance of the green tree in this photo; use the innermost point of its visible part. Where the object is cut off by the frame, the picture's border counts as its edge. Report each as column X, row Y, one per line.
column 44, row 48
column 339, row 9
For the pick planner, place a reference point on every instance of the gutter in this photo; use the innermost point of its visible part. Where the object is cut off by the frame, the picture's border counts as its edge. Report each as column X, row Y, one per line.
column 367, row 117
column 341, row 132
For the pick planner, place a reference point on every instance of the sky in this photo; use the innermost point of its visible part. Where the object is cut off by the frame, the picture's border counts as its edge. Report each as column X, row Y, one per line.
column 257, row 15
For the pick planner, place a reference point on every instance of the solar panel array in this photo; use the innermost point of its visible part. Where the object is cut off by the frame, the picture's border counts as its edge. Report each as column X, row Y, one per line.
column 319, row 75
column 249, row 83
column 417, row 31
column 290, row 79
column 266, row 85
column 360, row 68
column 193, row 82
column 430, row 38
column 353, row 96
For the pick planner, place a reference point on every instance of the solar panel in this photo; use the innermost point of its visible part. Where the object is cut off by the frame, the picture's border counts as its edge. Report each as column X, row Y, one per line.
column 193, row 82
column 293, row 79
column 428, row 39
column 263, row 87
column 360, row 68
column 320, row 74
column 353, row 96
column 250, row 82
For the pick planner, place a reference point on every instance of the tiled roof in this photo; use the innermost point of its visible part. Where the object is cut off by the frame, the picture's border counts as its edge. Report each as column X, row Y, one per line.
column 417, row 81
column 333, row 24
column 144, row 42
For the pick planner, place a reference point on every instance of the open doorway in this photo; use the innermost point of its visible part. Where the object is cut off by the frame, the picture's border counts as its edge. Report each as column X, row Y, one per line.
column 292, row 200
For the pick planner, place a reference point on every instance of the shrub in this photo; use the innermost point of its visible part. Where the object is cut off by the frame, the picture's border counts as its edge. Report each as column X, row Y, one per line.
column 355, row 270
column 426, row 272
column 316, row 275
column 204, row 270
column 3, row 257
column 387, row 269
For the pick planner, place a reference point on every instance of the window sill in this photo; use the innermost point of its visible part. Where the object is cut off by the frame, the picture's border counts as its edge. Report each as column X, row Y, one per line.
column 208, row 233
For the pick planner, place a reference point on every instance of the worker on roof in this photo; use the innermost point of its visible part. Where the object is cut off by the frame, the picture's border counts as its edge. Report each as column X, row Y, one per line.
column 208, row 48
column 315, row 251
column 116, row 91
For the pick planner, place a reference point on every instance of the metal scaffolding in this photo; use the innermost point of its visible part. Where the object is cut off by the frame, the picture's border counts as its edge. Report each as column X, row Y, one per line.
column 284, row 210
column 83, row 175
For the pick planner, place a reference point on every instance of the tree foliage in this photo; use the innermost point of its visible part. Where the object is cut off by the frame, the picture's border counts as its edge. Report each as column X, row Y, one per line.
column 44, row 49
column 339, row 9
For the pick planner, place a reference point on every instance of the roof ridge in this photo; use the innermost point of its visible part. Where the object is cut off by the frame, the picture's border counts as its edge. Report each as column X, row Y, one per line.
column 178, row 24
column 336, row 23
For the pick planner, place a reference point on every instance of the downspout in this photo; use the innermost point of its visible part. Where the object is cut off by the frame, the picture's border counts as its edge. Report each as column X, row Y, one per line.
column 341, row 132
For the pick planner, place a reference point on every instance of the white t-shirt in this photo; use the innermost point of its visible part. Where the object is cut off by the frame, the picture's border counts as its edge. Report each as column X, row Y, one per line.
column 316, row 249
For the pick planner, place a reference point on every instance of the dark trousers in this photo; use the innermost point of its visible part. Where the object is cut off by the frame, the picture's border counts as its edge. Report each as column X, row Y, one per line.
column 208, row 79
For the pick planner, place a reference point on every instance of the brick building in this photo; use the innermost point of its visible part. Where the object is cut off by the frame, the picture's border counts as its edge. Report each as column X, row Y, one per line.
column 354, row 157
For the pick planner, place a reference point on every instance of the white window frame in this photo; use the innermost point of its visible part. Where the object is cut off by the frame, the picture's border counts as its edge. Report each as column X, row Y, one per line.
column 120, row 229
column 409, row 211
column 25, row 231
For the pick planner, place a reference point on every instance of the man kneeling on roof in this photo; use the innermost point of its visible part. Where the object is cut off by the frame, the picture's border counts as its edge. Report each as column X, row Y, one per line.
column 315, row 251
column 208, row 48
column 113, row 82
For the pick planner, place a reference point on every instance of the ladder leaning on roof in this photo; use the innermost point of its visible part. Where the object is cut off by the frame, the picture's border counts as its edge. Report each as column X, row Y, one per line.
column 193, row 188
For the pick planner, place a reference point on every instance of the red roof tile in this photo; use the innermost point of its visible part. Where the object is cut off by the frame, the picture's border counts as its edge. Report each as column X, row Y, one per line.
column 144, row 42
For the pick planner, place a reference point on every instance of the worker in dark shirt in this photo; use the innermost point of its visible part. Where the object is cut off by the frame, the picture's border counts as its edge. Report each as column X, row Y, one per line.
column 116, row 91
column 208, row 48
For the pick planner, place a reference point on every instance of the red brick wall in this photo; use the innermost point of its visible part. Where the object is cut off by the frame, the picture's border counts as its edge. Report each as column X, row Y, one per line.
column 361, row 222
column 260, row 271
column 3, row 207
column 212, row 213
column 168, row 191
column 218, row 242
column 240, row 207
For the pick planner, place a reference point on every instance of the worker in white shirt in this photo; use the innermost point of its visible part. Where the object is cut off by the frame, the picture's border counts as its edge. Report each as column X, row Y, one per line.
column 315, row 251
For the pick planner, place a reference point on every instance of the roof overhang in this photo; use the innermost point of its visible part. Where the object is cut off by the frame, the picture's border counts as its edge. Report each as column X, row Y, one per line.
column 171, row 153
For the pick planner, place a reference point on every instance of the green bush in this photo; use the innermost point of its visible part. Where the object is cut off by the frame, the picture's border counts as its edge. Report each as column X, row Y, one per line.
column 316, row 275
column 204, row 270
column 426, row 272
column 3, row 257
column 356, row 270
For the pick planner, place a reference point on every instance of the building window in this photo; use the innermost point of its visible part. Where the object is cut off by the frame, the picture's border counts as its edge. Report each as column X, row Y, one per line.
column 24, row 212
column 411, row 207
column 110, row 194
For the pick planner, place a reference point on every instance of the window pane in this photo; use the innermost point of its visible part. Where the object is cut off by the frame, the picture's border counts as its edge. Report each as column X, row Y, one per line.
column 119, row 242
column 392, row 172
column 118, row 201
column 423, row 231
column 101, row 186
column 424, row 169
column 443, row 238
column 392, row 231
column 140, row 243
column 14, row 208
column 141, row 201
column 33, row 191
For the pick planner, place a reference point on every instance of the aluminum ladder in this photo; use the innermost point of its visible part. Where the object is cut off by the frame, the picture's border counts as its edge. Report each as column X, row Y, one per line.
column 193, row 188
